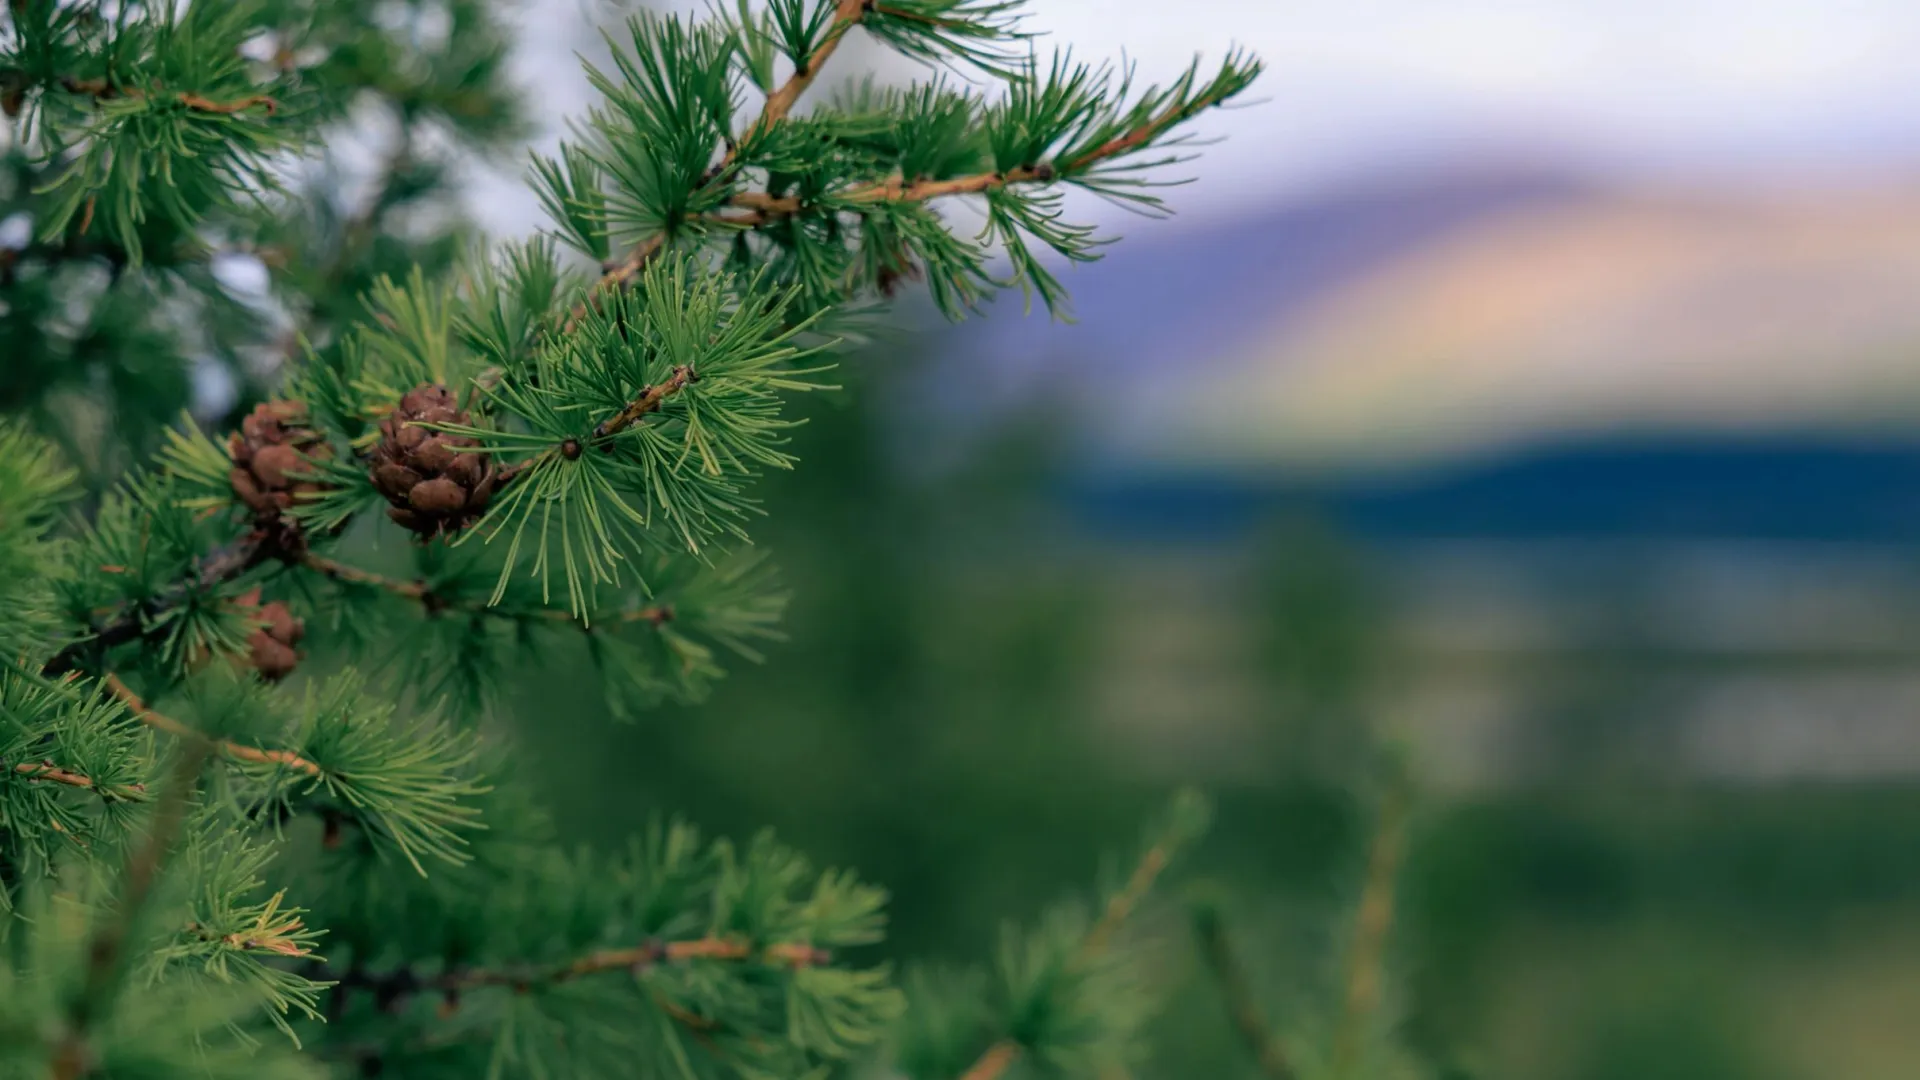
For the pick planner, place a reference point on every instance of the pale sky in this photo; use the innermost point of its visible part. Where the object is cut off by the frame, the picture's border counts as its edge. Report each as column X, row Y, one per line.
column 1758, row 89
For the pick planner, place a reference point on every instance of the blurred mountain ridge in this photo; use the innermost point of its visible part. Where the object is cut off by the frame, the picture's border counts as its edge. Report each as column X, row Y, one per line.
column 1521, row 350
column 1445, row 312
column 1173, row 298
column 1625, row 311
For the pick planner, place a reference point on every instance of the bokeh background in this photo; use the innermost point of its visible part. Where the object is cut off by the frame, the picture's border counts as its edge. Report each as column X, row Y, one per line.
column 1531, row 387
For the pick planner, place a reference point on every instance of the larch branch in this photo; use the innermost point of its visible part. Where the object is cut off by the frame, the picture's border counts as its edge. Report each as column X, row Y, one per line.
column 639, row 958
column 995, row 1062
column 765, row 208
column 648, row 400
column 228, row 108
column 353, row 575
column 237, row 751
column 1122, row 904
column 1238, row 995
column 420, row 592
column 140, row 620
column 616, row 277
column 48, row 771
column 104, row 90
column 1003, row 1053
column 781, row 101
column 402, row 982
column 1366, row 957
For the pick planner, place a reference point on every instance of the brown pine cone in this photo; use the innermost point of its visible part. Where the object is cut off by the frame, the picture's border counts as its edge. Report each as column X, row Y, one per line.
column 271, row 454
column 433, row 486
column 270, row 646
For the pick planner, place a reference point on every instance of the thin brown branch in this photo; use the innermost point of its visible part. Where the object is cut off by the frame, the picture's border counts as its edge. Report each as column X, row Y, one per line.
column 105, row 90
column 1238, row 995
column 1122, row 904
column 995, row 1062
column 779, row 104
column 228, row 108
column 161, row 722
column 418, row 591
column 99, row 88
column 46, row 770
column 616, row 278
column 1134, row 139
column 639, row 958
column 788, row 954
column 353, row 575
column 657, row 614
column 507, row 474
column 765, row 208
column 1366, row 957
column 402, row 982
column 1002, row 1054
column 781, row 101
column 649, row 399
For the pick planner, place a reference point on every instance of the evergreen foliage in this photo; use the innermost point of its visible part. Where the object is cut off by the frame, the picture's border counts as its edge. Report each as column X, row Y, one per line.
column 156, row 150
column 209, row 873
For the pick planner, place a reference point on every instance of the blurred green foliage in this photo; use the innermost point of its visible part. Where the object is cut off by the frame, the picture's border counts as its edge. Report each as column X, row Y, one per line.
column 933, row 720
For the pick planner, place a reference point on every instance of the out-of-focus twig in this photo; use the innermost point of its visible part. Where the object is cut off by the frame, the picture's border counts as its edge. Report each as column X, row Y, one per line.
column 1373, row 923
column 1231, row 976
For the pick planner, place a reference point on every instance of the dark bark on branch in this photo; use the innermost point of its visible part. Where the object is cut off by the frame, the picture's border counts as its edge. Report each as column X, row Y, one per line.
column 141, row 620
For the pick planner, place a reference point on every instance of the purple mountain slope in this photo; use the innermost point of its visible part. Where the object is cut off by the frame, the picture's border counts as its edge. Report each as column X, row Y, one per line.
column 1169, row 294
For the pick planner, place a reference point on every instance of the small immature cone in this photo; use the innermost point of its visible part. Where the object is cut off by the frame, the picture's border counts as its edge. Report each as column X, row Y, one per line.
column 272, row 454
column 270, row 648
column 435, row 483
